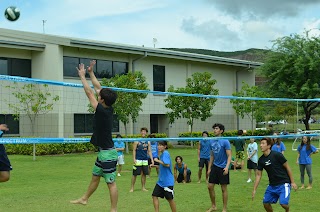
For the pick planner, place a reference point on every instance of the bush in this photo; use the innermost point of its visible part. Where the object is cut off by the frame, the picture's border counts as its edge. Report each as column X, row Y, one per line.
column 62, row 148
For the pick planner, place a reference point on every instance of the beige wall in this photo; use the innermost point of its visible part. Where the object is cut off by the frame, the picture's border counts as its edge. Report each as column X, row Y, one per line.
column 48, row 65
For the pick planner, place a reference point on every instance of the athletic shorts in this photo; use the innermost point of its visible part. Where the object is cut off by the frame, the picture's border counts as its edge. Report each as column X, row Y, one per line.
column 106, row 164
column 166, row 192
column 216, row 176
column 154, row 163
column 279, row 192
column 140, row 166
column 120, row 160
column 4, row 160
column 240, row 155
column 203, row 161
column 251, row 165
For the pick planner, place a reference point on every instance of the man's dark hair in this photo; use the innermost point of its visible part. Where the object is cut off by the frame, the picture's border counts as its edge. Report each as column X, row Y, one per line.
column 144, row 128
column 179, row 157
column 221, row 126
column 240, row 132
column 205, row 132
column 109, row 96
column 269, row 141
column 163, row 143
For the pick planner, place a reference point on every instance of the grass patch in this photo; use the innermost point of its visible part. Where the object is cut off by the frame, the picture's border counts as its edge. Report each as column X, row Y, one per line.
column 48, row 184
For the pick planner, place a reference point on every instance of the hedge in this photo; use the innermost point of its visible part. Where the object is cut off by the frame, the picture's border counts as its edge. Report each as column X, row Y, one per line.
column 63, row 148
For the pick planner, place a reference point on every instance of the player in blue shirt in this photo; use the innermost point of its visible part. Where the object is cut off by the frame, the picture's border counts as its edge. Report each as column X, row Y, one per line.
column 164, row 186
column 220, row 160
column 154, row 151
column 203, row 155
column 305, row 150
column 119, row 145
column 278, row 145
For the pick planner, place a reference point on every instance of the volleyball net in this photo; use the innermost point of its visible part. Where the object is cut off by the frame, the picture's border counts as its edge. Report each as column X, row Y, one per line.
column 43, row 111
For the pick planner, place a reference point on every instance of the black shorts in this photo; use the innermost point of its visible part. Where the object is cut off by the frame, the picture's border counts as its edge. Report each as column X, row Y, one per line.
column 216, row 176
column 154, row 163
column 166, row 192
column 4, row 160
column 138, row 169
column 203, row 162
column 251, row 165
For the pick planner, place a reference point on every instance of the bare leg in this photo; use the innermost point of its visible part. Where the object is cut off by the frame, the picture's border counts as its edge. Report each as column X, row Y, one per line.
column 92, row 187
column 143, row 182
column 155, row 203
column 249, row 174
column 4, row 176
column 212, row 197
column 133, row 181
column 224, row 190
column 268, row 207
column 119, row 169
column 286, row 207
column 199, row 174
column 113, row 196
column 235, row 165
column 172, row 205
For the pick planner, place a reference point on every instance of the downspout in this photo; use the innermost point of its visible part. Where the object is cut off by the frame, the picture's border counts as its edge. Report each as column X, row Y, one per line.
column 133, row 70
column 237, row 89
column 139, row 58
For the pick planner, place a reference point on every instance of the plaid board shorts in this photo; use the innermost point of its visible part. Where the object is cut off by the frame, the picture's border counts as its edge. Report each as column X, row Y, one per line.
column 106, row 165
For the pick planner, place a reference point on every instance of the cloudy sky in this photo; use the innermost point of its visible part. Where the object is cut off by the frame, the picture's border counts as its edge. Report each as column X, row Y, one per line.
column 223, row 25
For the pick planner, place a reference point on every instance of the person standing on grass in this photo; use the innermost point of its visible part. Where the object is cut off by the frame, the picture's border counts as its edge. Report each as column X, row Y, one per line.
column 239, row 145
column 106, row 162
column 252, row 152
column 164, row 186
column 280, row 177
column 218, row 171
column 154, row 151
column 203, row 155
column 278, row 145
column 5, row 166
column 182, row 174
column 119, row 145
column 305, row 150
column 140, row 152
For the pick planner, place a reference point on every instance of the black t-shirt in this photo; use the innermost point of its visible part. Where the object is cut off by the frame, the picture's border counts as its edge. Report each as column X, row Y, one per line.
column 102, row 127
column 273, row 164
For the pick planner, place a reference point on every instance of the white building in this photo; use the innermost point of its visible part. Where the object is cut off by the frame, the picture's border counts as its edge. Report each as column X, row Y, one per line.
column 50, row 57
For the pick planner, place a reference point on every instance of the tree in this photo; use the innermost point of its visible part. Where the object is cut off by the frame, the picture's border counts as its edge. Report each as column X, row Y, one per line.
column 192, row 107
column 293, row 70
column 34, row 100
column 253, row 109
column 128, row 104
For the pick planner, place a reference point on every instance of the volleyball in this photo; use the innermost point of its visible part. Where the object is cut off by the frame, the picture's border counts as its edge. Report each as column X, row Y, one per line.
column 12, row 13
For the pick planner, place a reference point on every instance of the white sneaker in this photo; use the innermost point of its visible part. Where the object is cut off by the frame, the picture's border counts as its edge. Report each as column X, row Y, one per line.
column 249, row 181
column 119, row 175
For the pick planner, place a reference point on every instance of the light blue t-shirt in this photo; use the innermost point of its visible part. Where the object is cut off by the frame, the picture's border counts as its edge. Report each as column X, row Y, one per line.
column 218, row 148
column 251, row 148
column 165, row 173
column 278, row 148
column 154, row 149
column 120, row 144
column 305, row 158
column 205, row 149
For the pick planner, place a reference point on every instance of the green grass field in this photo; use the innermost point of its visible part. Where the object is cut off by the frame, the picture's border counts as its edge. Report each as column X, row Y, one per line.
column 48, row 184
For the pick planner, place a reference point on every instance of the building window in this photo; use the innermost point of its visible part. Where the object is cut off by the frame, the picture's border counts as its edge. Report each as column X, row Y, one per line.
column 83, row 123
column 119, row 68
column 13, row 124
column 15, row 67
column 102, row 69
column 159, row 78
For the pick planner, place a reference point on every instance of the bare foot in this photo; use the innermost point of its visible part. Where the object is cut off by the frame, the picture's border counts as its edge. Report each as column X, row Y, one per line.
column 212, row 209
column 144, row 189
column 199, row 181
column 79, row 201
column 302, row 187
column 309, row 187
column 131, row 190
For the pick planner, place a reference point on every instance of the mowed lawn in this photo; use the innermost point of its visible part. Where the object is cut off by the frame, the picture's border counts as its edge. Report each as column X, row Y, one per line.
column 50, row 182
